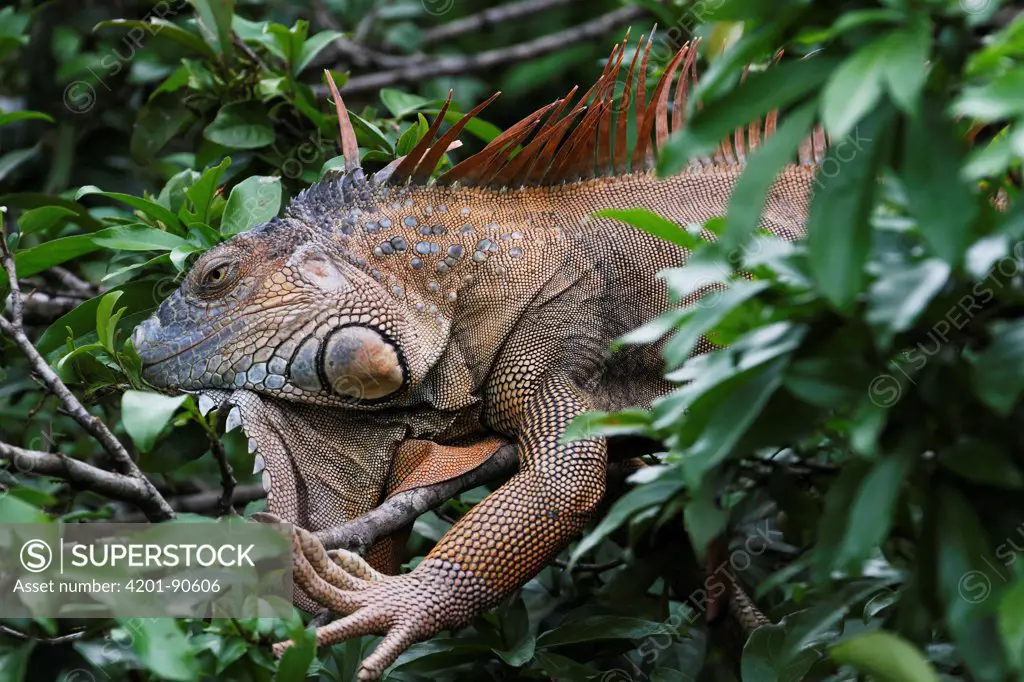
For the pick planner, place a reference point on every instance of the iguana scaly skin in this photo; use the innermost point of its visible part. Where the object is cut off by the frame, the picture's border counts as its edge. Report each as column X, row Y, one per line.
column 388, row 308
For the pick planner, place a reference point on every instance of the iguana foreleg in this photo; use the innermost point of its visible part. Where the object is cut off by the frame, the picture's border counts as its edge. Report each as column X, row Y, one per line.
column 499, row 545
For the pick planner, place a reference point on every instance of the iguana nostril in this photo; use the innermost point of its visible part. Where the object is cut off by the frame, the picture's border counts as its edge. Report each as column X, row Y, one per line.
column 140, row 333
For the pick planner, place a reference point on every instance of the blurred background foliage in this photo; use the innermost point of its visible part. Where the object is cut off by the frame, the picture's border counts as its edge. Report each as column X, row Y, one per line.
column 852, row 456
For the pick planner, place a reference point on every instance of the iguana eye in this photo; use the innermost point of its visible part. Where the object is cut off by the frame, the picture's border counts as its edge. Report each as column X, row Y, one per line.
column 216, row 277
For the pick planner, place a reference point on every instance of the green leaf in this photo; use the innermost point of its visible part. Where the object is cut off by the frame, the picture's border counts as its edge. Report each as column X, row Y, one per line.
column 241, row 125
column 30, row 200
column 150, row 208
column 203, row 191
column 139, row 297
column 777, row 87
column 372, row 136
column 106, row 320
column 9, row 117
column 637, row 500
column 146, row 414
column 312, row 47
column 944, row 205
column 983, row 462
column 296, row 660
column 747, row 201
column 884, row 656
column 159, row 28
column 651, row 223
column 604, row 424
column 413, row 134
column 401, row 103
column 252, row 202
column 596, row 628
column 704, row 315
column 853, row 89
column 11, row 161
column 1011, row 623
column 899, row 296
column 1002, row 97
column 14, row 510
column 703, row 518
column 905, row 54
column 163, row 648
column 871, row 515
column 809, row 628
column 160, row 120
column 521, row 653
column 730, row 420
column 998, row 371
column 965, row 583
column 834, row 520
column 54, row 252
column 137, row 238
column 764, row 660
column 838, row 230
column 43, row 218
column 214, row 23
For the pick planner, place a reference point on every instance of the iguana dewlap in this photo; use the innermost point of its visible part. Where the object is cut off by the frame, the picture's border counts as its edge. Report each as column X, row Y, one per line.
column 388, row 307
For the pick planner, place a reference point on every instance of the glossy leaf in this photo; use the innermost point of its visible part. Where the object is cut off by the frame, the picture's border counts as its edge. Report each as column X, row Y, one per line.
column 146, row 414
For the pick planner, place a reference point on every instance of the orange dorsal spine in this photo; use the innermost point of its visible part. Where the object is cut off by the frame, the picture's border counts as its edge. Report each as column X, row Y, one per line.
column 581, row 141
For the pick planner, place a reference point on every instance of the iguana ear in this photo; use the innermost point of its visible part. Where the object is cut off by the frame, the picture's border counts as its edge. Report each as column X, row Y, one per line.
column 314, row 266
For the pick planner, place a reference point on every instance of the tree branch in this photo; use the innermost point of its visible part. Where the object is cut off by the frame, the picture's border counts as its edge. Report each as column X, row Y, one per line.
column 86, row 476
column 446, row 66
column 489, row 17
column 359, row 534
column 155, row 507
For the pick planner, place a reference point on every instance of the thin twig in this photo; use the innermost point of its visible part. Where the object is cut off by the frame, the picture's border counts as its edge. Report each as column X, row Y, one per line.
column 589, row 568
column 225, row 503
column 351, row 49
column 447, row 66
column 206, row 501
column 155, row 506
column 493, row 16
column 248, row 52
column 60, row 639
column 86, row 476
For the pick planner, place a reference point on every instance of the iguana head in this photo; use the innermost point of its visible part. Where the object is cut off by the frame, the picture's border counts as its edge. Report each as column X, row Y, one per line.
column 309, row 338
column 284, row 311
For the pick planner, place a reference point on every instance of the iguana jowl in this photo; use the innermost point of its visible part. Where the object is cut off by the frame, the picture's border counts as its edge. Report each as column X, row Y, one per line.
column 392, row 309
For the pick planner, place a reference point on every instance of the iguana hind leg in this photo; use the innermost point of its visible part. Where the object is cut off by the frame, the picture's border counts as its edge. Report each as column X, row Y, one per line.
column 498, row 546
column 419, row 463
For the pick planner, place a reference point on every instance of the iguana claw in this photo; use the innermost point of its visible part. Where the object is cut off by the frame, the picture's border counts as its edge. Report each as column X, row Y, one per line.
column 405, row 609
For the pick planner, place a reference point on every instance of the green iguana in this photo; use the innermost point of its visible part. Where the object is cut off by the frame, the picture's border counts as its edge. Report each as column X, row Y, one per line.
column 390, row 330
